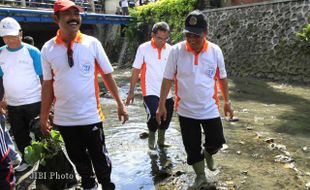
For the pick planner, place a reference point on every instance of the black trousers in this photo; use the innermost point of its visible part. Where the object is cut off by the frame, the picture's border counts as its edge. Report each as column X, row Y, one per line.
column 191, row 135
column 19, row 119
column 86, row 148
column 151, row 105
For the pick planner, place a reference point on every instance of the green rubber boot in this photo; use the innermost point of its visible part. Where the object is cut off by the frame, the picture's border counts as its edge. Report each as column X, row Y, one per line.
column 161, row 138
column 210, row 161
column 151, row 140
column 200, row 180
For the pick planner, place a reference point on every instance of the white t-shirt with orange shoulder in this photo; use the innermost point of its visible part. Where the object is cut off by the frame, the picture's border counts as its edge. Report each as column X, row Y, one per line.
column 152, row 62
column 76, row 88
column 196, row 75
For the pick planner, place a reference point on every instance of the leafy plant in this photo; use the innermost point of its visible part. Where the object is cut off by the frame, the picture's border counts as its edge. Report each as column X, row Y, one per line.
column 45, row 149
column 304, row 39
column 171, row 11
column 304, row 35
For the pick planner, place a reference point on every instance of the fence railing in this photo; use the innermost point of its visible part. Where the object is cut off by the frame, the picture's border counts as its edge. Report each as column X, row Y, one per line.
column 88, row 5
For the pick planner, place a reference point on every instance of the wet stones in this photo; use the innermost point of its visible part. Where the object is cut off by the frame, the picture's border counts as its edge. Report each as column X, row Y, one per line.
column 283, row 159
column 144, row 135
column 305, row 149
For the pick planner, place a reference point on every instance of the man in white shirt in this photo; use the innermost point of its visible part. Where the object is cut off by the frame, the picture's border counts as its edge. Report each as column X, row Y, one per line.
column 150, row 63
column 124, row 5
column 71, row 62
column 20, row 86
column 197, row 65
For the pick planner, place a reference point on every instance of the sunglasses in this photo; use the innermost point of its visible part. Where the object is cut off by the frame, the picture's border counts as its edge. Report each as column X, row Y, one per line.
column 70, row 56
column 162, row 39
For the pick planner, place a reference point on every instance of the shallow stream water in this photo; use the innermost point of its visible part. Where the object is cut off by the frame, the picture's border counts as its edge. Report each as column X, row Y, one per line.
column 268, row 148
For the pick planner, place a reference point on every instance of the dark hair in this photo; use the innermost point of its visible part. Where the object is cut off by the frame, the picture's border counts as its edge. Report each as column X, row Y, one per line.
column 57, row 14
column 29, row 40
column 162, row 26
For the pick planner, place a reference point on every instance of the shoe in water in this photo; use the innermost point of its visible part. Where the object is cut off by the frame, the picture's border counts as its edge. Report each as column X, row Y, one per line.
column 210, row 161
column 15, row 163
column 22, row 167
column 200, row 182
column 108, row 186
column 164, row 145
column 151, row 140
column 96, row 187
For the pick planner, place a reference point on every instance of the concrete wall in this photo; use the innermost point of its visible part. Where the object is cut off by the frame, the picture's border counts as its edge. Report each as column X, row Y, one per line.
column 259, row 40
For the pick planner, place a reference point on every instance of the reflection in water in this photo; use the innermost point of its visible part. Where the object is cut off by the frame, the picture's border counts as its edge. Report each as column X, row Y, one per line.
column 134, row 166
column 161, row 165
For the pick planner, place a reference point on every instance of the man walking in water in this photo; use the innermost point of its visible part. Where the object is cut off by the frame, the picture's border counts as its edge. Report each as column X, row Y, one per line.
column 71, row 62
column 197, row 65
column 150, row 62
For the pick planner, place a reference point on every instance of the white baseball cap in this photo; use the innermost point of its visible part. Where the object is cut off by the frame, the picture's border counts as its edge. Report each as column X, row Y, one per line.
column 9, row 27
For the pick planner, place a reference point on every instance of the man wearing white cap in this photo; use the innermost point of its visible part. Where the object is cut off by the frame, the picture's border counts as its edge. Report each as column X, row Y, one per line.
column 71, row 62
column 20, row 73
column 197, row 65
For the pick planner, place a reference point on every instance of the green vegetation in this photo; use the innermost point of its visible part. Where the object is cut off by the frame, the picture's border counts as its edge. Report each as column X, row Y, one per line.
column 304, row 38
column 171, row 11
column 45, row 149
column 304, row 35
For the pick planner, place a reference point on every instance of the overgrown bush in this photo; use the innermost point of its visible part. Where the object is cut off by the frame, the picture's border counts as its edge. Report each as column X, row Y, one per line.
column 305, row 34
column 171, row 11
column 304, row 38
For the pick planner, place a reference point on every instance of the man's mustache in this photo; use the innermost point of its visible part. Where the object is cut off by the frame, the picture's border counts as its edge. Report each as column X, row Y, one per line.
column 73, row 20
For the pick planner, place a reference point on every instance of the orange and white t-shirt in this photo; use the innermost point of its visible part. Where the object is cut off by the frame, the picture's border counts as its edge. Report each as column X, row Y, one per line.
column 76, row 89
column 152, row 62
column 196, row 75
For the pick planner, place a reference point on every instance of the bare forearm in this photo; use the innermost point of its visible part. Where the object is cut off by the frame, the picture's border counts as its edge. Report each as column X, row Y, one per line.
column 134, row 78
column 112, row 87
column 223, row 84
column 164, row 91
column 47, row 99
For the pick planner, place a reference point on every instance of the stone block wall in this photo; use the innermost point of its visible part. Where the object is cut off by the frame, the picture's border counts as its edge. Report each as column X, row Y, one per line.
column 260, row 40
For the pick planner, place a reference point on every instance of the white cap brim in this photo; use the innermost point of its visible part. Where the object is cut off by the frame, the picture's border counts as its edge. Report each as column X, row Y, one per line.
column 9, row 33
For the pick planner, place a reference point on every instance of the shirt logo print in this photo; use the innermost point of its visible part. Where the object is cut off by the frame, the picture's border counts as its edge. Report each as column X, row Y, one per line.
column 86, row 68
column 210, row 73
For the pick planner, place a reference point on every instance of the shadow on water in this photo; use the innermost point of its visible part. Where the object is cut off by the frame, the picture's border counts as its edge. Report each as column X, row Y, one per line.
column 134, row 166
column 161, row 165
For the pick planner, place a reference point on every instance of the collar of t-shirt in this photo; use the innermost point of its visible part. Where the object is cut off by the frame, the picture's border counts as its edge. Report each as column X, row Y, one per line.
column 204, row 49
column 158, row 49
column 14, row 49
column 77, row 39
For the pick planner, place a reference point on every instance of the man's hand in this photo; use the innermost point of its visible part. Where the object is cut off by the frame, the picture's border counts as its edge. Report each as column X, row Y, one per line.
column 3, row 104
column 46, row 126
column 228, row 110
column 122, row 113
column 2, row 111
column 130, row 98
column 161, row 113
